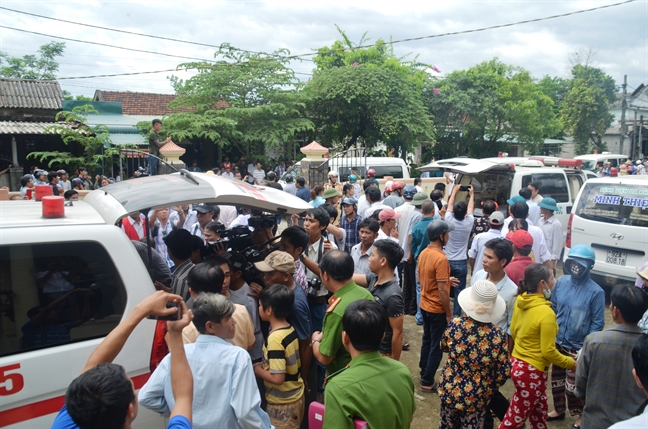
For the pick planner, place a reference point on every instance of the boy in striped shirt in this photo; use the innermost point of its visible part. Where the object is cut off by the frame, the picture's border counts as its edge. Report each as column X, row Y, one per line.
column 280, row 366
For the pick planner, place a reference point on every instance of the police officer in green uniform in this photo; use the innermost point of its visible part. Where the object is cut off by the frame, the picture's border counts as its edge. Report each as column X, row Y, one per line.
column 154, row 146
column 336, row 269
column 346, row 397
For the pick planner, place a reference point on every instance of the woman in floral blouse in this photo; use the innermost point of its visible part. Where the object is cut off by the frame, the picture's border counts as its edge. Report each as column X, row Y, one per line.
column 478, row 360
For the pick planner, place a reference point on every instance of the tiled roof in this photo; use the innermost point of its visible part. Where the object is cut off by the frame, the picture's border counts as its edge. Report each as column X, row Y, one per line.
column 34, row 94
column 13, row 127
column 139, row 103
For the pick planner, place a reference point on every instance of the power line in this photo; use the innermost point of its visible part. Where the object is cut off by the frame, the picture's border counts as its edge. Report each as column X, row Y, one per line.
column 493, row 27
column 133, row 33
column 104, row 44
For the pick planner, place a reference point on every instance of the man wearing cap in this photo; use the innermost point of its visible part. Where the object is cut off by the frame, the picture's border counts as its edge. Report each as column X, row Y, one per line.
column 278, row 268
column 290, row 185
column 522, row 244
column 228, row 171
column 204, row 213
column 77, row 184
column 641, row 169
column 395, row 199
column 552, row 229
column 387, row 218
column 331, row 196
column 350, row 222
column 510, row 202
column 476, row 252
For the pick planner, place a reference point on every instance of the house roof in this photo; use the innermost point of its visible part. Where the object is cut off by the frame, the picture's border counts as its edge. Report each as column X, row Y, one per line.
column 32, row 94
column 14, row 127
column 139, row 103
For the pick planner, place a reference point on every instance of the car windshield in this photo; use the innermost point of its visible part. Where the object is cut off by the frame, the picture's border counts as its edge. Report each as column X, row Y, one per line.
column 624, row 204
column 588, row 165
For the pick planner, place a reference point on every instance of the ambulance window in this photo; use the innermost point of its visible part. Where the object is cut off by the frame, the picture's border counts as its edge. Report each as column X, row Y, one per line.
column 552, row 185
column 55, row 294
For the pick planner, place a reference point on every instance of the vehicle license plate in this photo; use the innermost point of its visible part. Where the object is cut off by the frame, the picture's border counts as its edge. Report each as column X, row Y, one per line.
column 617, row 258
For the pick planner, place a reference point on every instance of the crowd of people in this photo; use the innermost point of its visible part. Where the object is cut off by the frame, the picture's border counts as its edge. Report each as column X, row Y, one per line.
column 320, row 317
column 605, row 169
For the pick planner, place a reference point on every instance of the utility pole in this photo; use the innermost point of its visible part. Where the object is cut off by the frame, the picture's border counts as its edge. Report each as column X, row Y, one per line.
column 624, row 106
column 640, row 149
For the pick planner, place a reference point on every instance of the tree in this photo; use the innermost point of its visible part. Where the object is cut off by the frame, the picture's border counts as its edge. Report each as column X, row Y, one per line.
column 68, row 96
column 94, row 141
column 367, row 95
column 484, row 109
column 585, row 114
column 246, row 100
column 32, row 67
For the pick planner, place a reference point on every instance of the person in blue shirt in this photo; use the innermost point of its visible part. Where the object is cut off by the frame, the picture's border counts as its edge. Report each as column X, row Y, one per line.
column 103, row 396
column 302, row 190
column 579, row 304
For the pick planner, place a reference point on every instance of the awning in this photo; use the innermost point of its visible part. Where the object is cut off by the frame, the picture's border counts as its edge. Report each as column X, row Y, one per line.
column 120, row 139
column 14, row 127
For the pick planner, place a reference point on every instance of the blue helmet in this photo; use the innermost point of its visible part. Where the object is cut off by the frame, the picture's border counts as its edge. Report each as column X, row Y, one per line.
column 353, row 178
column 582, row 251
column 409, row 192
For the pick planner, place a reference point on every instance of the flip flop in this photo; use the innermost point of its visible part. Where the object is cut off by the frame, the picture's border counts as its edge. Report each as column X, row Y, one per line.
column 406, row 346
column 434, row 389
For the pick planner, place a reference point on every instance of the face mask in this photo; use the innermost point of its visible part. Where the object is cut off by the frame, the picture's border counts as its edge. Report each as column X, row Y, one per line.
column 576, row 269
column 546, row 293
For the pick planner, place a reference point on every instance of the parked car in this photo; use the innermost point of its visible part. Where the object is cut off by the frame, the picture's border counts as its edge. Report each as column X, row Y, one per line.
column 501, row 181
column 590, row 161
column 384, row 166
column 611, row 215
column 48, row 329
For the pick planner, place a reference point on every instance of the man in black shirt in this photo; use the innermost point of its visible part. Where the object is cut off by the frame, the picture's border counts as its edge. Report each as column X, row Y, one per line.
column 154, row 146
column 385, row 288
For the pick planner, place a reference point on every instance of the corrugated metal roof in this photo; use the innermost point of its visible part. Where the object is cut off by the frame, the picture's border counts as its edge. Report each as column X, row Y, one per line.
column 119, row 139
column 12, row 127
column 33, row 94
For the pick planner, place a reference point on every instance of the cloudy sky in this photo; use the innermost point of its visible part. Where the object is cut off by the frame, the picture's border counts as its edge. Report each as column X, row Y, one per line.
column 618, row 35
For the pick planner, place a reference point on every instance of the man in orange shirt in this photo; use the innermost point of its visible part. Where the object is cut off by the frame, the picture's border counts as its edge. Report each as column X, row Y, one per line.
column 434, row 277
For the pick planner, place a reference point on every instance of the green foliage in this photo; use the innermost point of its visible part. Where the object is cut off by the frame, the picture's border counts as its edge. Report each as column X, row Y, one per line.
column 95, row 141
column 68, row 96
column 367, row 95
column 585, row 114
column 244, row 100
column 484, row 109
column 44, row 66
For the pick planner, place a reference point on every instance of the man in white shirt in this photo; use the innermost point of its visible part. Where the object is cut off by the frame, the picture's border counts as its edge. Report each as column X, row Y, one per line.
column 258, row 174
column 407, row 269
column 387, row 219
column 552, row 229
column 228, row 171
column 534, row 210
column 205, row 214
column 363, row 203
column 476, row 252
column 360, row 252
column 373, row 197
column 461, row 216
column 535, row 192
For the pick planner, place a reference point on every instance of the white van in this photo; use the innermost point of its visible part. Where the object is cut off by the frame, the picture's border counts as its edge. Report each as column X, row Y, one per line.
column 47, row 332
column 384, row 166
column 590, row 161
column 501, row 181
column 611, row 215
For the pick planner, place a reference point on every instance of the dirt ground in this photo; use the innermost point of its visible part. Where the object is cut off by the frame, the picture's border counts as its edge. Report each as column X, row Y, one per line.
column 427, row 411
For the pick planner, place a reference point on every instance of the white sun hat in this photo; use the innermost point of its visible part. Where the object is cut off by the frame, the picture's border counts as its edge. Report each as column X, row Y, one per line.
column 482, row 302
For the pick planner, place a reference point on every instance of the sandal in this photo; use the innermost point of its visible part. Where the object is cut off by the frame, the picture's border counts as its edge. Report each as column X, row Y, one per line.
column 406, row 346
column 434, row 389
